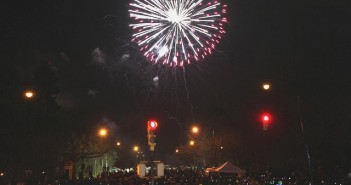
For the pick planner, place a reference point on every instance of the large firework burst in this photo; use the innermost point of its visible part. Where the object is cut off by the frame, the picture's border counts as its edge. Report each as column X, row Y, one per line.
column 175, row 32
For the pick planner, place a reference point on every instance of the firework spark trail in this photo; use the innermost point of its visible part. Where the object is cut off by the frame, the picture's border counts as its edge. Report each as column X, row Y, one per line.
column 176, row 32
column 188, row 95
column 175, row 84
column 177, row 121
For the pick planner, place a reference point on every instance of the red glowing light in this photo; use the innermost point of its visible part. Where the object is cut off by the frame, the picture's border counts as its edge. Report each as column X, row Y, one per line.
column 152, row 125
column 266, row 118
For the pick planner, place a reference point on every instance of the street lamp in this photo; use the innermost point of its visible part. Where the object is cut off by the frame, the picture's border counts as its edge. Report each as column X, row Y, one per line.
column 103, row 132
column 192, row 143
column 29, row 94
column 195, row 130
column 266, row 86
column 135, row 148
column 118, row 143
column 137, row 153
column 177, row 151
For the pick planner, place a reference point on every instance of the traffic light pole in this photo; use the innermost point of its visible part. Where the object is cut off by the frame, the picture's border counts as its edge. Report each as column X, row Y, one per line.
column 151, row 126
column 152, row 165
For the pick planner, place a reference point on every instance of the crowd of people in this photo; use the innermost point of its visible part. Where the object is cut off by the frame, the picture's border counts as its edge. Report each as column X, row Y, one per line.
column 193, row 176
column 196, row 177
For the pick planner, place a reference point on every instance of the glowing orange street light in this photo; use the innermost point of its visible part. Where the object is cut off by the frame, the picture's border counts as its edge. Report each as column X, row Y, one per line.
column 103, row 132
column 192, row 143
column 266, row 86
column 195, row 130
column 136, row 148
column 29, row 94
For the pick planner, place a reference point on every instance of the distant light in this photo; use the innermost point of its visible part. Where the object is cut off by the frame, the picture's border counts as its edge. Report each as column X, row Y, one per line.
column 266, row 86
column 29, row 94
column 192, row 143
column 2, row 174
column 103, row 132
column 177, row 151
column 43, row 172
column 152, row 125
column 156, row 79
column 221, row 147
column 136, row 148
column 266, row 118
column 118, row 143
column 195, row 129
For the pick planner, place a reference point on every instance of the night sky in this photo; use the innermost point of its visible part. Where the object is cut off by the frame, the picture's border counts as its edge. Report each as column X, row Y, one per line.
column 302, row 47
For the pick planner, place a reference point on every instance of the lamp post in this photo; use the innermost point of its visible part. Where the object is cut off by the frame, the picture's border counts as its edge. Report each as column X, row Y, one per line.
column 214, row 148
column 118, row 151
column 195, row 131
column 136, row 150
column 221, row 154
column 96, row 143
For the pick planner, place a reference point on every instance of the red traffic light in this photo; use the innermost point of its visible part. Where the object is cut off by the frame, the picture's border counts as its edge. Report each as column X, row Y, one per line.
column 266, row 119
column 152, row 125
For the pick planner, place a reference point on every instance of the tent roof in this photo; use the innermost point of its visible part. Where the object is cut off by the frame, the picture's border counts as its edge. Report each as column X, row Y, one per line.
column 229, row 168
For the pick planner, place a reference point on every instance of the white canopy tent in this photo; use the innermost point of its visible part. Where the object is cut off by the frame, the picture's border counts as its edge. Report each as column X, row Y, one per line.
column 230, row 168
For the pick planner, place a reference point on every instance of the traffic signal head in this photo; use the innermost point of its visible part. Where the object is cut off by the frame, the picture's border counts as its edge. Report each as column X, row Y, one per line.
column 152, row 141
column 266, row 118
column 152, row 125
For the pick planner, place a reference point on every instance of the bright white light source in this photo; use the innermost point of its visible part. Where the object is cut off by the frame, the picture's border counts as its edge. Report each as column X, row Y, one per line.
column 174, row 17
column 266, row 86
column 162, row 52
